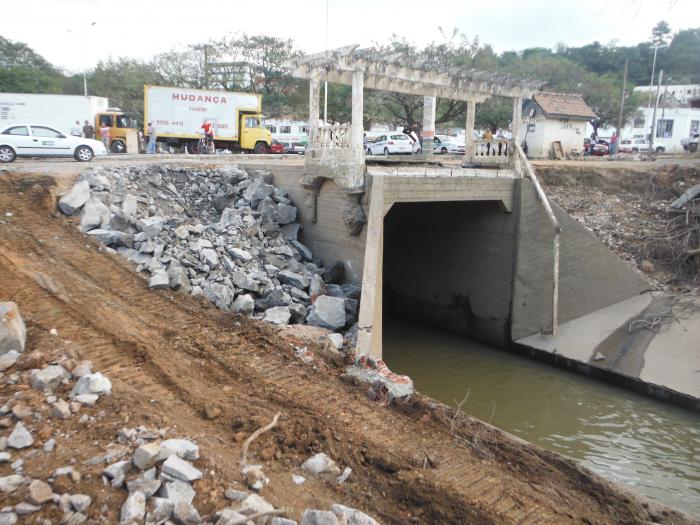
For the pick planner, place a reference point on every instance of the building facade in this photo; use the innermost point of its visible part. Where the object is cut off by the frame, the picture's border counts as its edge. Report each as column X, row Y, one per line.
column 682, row 93
column 550, row 118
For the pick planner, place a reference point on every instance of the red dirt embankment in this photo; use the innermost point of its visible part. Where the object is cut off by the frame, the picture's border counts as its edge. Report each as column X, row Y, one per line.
column 172, row 359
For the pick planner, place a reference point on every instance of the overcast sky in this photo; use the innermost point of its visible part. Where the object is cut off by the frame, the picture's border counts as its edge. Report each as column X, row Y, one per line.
column 142, row 28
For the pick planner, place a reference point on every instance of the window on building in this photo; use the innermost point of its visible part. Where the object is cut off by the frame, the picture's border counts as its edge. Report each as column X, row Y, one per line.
column 664, row 129
column 272, row 129
column 304, row 129
column 694, row 127
column 639, row 122
column 285, row 129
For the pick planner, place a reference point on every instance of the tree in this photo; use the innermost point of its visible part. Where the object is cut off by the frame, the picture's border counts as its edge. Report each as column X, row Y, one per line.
column 25, row 71
column 661, row 33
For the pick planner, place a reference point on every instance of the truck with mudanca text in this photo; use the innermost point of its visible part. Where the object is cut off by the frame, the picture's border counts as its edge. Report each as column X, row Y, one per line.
column 177, row 115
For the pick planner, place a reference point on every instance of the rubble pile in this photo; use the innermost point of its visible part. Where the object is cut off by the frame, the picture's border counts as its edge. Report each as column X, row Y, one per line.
column 224, row 234
column 156, row 470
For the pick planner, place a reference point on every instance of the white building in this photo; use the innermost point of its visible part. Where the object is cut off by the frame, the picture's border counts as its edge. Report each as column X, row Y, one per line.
column 288, row 130
column 549, row 118
column 672, row 125
column 680, row 92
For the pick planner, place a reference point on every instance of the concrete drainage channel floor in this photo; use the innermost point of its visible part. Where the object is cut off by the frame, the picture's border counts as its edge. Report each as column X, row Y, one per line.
column 650, row 446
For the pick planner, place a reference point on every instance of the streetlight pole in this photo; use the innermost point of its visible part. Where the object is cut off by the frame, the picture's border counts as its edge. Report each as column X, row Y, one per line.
column 653, row 69
column 325, row 84
column 85, row 33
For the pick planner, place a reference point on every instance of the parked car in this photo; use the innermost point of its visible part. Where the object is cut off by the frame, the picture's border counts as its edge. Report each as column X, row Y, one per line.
column 686, row 142
column 693, row 144
column 39, row 140
column 294, row 148
column 637, row 145
column 395, row 143
column 445, row 144
column 276, row 147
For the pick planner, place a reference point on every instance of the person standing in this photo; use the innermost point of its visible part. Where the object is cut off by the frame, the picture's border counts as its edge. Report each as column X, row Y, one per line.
column 75, row 130
column 152, row 137
column 488, row 137
column 613, row 144
column 104, row 134
column 88, row 130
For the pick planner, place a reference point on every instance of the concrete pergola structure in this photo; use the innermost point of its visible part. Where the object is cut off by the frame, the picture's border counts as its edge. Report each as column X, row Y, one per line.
column 337, row 152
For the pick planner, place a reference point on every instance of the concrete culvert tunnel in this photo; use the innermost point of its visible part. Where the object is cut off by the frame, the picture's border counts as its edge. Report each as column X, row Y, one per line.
column 449, row 265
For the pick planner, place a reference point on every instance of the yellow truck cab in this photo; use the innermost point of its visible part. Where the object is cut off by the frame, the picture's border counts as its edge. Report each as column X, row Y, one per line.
column 254, row 136
column 123, row 136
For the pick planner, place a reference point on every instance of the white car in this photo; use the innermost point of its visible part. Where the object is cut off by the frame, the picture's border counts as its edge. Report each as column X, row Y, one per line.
column 445, row 144
column 637, row 145
column 39, row 140
column 390, row 144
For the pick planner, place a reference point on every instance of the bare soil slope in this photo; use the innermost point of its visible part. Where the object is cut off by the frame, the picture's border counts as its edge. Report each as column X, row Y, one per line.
column 172, row 359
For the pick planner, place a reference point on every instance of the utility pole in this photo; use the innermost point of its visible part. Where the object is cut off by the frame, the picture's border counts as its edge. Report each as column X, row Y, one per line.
column 653, row 117
column 325, row 84
column 622, row 103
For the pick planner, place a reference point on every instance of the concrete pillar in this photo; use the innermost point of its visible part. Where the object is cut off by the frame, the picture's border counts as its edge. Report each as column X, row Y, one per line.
column 469, row 145
column 314, row 98
column 358, row 83
column 428, row 135
column 517, row 118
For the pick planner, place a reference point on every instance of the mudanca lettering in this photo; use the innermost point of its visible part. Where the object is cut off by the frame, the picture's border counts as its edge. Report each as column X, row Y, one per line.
column 199, row 98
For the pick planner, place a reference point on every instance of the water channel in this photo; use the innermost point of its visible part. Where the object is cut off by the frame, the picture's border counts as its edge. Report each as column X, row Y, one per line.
column 649, row 446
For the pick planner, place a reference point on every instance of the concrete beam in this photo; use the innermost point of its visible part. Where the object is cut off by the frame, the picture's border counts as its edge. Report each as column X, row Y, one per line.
column 314, row 99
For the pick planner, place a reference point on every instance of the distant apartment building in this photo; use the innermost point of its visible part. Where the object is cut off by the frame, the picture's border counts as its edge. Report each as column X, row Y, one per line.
column 682, row 93
column 295, row 131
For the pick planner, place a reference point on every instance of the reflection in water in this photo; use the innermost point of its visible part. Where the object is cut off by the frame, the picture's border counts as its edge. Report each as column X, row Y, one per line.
column 650, row 446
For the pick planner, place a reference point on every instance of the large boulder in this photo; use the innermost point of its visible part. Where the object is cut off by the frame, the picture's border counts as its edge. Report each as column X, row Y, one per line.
column 327, row 312
column 49, row 377
column 13, row 332
column 295, row 279
column 75, row 198
column 257, row 191
column 244, row 304
column 94, row 215
column 278, row 315
column 112, row 237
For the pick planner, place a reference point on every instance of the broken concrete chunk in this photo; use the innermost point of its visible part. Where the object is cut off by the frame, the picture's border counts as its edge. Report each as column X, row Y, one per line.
column 319, row 464
column 111, row 237
column 9, row 359
column 134, row 509
column 180, row 447
column 116, row 472
column 162, row 510
column 92, row 384
column 11, row 483
column 185, row 514
column 318, row 517
column 160, row 280
column 180, row 469
column 13, row 332
column 254, row 504
column 244, row 304
column 327, row 312
column 384, row 383
column 146, row 456
column 80, row 502
column 294, row 279
column 352, row 516
column 278, row 315
column 20, row 437
column 49, row 377
column 75, row 198
column 94, row 215
column 177, row 490
column 130, row 205
column 61, row 409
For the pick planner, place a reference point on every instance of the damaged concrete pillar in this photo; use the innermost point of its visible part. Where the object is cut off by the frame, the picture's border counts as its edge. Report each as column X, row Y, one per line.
column 428, row 135
column 469, row 144
column 314, row 98
column 356, row 142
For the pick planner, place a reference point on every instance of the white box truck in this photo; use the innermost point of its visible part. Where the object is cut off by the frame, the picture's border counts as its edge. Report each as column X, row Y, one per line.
column 61, row 112
column 178, row 114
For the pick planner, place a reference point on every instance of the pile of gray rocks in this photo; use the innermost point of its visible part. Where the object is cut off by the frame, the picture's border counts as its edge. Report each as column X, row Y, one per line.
column 225, row 234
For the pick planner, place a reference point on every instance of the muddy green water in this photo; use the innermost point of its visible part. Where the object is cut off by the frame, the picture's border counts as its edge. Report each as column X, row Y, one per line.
column 651, row 447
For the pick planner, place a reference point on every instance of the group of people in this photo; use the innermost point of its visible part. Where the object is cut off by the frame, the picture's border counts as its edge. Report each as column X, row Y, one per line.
column 88, row 131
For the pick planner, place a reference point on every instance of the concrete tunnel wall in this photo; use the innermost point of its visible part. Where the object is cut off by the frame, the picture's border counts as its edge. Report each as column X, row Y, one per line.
column 450, row 265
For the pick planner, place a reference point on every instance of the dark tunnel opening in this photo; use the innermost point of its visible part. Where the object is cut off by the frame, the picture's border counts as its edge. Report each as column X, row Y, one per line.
column 449, row 265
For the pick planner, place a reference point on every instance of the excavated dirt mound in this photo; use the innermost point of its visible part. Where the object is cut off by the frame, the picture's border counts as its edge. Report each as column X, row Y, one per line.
column 172, row 359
